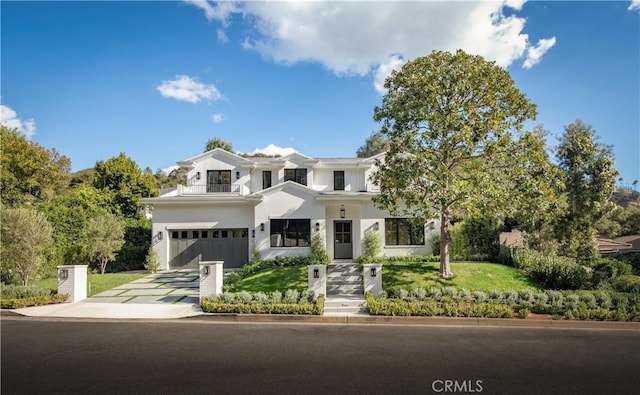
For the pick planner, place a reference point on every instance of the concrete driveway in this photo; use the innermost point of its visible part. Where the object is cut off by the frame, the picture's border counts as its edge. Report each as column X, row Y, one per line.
column 180, row 286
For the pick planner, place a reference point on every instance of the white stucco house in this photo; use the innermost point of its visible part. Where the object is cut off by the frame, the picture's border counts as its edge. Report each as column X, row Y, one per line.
column 231, row 205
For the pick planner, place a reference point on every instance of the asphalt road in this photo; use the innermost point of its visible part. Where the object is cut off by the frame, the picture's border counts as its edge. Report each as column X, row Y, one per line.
column 44, row 356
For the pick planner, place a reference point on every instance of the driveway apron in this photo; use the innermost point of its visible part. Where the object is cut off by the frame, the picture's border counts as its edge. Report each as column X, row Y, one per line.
column 179, row 286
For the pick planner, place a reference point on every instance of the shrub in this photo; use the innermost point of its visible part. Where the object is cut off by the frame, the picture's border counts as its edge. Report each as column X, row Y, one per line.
column 259, row 303
column 523, row 312
column 291, row 296
column 627, row 283
column 510, row 297
column 419, row 293
column 244, row 297
column 11, row 291
column 318, row 250
column 152, row 263
column 372, row 246
column 41, row 300
column 479, row 296
column 275, row 297
column 450, row 292
column 552, row 271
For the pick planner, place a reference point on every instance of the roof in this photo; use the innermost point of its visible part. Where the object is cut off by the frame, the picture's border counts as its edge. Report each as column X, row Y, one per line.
column 609, row 246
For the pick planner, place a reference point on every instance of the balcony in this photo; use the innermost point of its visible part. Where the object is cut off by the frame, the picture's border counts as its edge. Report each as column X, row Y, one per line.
column 204, row 189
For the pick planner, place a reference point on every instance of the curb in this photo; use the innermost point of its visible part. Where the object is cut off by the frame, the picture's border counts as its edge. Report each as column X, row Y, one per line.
column 416, row 321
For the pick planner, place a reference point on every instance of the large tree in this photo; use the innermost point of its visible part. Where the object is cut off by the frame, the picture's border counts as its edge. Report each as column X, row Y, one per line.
column 448, row 119
column 590, row 179
column 121, row 177
column 29, row 173
column 376, row 143
column 26, row 238
column 218, row 143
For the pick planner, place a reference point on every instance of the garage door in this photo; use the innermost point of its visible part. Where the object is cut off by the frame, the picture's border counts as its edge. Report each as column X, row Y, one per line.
column 188, row 247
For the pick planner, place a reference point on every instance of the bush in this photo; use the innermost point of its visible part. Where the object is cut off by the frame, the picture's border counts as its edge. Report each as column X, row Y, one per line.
column 632, row 258
column 372, row 247
column 11, row 291
column 627, row 283
column 318, row 250
column 16, row 296
column 259, row 303
column 152, row 263
column 551, row 271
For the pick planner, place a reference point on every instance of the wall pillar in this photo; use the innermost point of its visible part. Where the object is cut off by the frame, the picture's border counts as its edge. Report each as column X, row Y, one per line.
column 317, row 280
column 372, row 273
column 72, row 280
column 211, row 275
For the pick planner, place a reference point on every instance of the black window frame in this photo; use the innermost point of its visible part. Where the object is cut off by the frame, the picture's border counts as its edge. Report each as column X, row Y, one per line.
column 266, row 179
column 293, row 232
column 216, row 181
column 298, row 175
column 338, row 175
column 399, row 230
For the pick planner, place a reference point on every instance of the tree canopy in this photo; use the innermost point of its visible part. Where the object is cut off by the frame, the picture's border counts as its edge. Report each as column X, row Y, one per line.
column 29, row 173
column 448, row 120
column 218, row 143
column 376, row 143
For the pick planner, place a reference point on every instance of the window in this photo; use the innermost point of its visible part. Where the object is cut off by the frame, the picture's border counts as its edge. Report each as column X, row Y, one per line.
column 266, row 179
column 290, row 232
column 338, row 180
column 218, row 180
column 195, row 234
column 204, row 234
column 401, row 232
column 183, row 234
column 296, row 175
column 174, row 234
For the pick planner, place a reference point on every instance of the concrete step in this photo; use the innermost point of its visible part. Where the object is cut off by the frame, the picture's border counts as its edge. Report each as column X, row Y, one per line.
column 345, row 311
column 345, row 287
column 344, row 280
column 346, row 303
column 344, row 277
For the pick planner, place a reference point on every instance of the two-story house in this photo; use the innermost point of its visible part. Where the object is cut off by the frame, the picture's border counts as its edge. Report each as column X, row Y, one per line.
column 233, row 205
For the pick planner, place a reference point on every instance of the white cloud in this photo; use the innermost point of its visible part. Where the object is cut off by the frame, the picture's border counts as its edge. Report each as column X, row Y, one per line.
column 9, row 118
column 384, row 70
column 535, row 53
column 222, row 36
column 219, row 11
column 217, row 118
column 273, row 149
column 635, row 5
column 168, row 170
column 188, row 89
column 361, row 38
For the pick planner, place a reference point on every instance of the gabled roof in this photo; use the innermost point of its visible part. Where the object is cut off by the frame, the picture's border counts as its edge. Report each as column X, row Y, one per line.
column 210, row 154
column 286, row 186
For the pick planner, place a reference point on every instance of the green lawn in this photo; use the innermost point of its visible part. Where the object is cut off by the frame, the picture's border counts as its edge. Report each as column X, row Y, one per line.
column 275, row 279
column 480, row 276
column 97, row 282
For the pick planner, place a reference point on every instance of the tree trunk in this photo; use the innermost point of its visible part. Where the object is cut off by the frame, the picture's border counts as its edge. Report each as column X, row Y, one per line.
column 445, row 242
column 103, row 266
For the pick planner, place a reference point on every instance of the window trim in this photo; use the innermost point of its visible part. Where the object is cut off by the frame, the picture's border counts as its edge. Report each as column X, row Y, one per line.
column 270, row 179
column 302, row 231
column 414, row 231
column 297, row 177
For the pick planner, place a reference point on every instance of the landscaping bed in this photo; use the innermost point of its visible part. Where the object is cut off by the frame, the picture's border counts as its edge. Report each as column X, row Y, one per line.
column 17, row 296
column 289, row 302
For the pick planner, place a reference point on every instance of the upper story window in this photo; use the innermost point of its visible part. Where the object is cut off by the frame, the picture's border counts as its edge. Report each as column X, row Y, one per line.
column 266, row 179
column 218, row 180
column 338, row 180
column 290, row 232
column 401, row 232
column 296, row 175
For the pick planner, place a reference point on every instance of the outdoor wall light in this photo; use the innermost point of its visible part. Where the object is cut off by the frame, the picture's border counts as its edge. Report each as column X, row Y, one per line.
column 376, row 226
column 197, row 175
column 432, row 225
column 63, row 274
column 316, row 273
column 317, row 226
column 160, row 235
column 205, row 270
column 262, row 227
column 342, row 211
column 237, row 175
column 373, row 272
column 253, row 233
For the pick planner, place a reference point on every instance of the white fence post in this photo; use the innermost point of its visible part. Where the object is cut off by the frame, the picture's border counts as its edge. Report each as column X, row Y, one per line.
column 317, row 280
column 372, row 278
column 72, row 280
column 211, row 275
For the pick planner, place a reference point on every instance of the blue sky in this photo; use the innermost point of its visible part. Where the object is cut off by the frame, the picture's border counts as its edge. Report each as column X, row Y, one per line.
column 156, row 80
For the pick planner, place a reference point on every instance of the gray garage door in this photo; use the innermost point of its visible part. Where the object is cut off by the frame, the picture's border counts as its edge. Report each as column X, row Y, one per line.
column 188, row 247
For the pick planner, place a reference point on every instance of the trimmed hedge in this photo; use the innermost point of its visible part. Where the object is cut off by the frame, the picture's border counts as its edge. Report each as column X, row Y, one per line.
column 18, row 303
column 291, row 302
column 453, row 302
column 550, row 271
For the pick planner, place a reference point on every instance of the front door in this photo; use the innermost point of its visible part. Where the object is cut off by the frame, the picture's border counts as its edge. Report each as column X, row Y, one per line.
column 343, row 247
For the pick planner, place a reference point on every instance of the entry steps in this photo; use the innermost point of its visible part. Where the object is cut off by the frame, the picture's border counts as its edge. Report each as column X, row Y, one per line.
column 345, row 291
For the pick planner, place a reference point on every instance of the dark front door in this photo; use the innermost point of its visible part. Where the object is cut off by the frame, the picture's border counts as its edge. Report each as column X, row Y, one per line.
column 343, row 246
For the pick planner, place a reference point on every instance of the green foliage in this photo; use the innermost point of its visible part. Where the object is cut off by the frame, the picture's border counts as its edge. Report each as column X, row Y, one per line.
column 33, row 301
column 395, row 307
column 632, row 258
column 590, row 182
column 481, row 236
column 445, row 157
column 607, row 269
column 125, row 183
column 318, row 250
column 29, row 173
column 218, row 143
column 12, row 291
column 104, row 237
column 375, row 144
column 551, row 271
column 244, row 302
column 372, row 247
column 152, row 263
column 96, row 283
column 26, row 237
column 137, row 240
column 627, row 283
